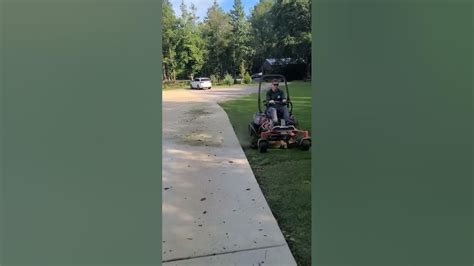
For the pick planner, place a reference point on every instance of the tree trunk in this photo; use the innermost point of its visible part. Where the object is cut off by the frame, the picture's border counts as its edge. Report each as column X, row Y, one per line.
column 164, row 72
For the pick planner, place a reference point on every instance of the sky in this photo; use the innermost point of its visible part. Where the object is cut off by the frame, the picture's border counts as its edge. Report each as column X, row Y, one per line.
column 203, row 5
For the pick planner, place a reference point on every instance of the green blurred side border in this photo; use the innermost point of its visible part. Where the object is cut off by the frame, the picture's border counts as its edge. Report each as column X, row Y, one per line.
column 392, row 132
column 80, row 166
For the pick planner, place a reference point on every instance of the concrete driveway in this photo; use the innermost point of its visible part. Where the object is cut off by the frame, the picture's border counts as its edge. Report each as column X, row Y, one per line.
column 214, row 212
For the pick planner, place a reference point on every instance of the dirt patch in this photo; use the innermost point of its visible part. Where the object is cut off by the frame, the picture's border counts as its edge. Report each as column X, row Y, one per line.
column 195, row 114
column 199, row 139
column 198, row 111
column 196, row 129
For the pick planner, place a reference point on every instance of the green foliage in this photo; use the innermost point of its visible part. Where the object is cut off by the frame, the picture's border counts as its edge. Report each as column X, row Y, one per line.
column 263, row 33
column 247, row 78
column 228, row 80
column 281, row 29
column 232, row 43
column 242, row 69
column 214, row 79
column 169, row 26
column 241, row 50
column 175, row 84
column 184, row 49
column 190, row 47
column 216, row 32
column 293, row 21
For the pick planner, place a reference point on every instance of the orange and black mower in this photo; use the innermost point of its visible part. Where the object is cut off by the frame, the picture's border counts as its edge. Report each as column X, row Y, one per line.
column 265, row 134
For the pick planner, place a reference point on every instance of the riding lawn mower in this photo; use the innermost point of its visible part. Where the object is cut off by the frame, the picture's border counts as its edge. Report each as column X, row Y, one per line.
column 264, row 133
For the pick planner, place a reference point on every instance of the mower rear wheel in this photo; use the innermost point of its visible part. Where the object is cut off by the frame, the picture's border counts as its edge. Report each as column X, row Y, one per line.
column 305, row 144
column 253, row 136
column 262, row 146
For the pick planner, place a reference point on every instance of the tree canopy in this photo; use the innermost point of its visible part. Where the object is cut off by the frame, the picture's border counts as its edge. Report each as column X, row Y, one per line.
column 231, row 43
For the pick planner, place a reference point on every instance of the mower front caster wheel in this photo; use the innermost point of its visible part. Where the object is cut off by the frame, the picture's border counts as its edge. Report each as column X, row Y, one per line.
column 305, row 144
column 262, row 146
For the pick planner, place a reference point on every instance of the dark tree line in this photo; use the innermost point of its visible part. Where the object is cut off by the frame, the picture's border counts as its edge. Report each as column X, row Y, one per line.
column 231, row 43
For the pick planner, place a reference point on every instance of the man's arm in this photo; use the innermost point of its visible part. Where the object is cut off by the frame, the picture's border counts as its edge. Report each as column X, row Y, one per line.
column 269, row 97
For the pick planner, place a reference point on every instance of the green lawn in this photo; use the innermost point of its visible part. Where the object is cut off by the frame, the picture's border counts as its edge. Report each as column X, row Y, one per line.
column 283, row 175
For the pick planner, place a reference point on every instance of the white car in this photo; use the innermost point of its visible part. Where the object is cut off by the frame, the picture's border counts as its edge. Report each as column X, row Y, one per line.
column 257, row 76
column 201, row 83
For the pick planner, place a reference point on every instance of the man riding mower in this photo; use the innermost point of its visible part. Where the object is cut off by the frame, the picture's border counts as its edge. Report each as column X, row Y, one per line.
column 276, row 104
column 276, row 127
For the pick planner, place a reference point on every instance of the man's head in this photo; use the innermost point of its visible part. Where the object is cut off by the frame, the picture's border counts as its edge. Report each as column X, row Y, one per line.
column 275, row 85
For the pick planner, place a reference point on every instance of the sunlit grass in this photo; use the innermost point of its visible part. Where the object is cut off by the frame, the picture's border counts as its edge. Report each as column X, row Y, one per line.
column 283, row 175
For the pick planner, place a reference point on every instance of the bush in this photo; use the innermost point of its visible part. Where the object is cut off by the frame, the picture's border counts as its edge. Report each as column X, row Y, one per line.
column 238, row 80
column 175, row 84
column 214, row 79
column 247, row 78
column 228, row 80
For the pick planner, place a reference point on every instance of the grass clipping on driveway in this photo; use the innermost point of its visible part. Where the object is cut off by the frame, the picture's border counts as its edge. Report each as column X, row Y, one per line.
column 283, row 175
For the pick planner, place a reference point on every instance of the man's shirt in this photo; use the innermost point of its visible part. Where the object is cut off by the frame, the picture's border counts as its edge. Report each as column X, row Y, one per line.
column 277, row 95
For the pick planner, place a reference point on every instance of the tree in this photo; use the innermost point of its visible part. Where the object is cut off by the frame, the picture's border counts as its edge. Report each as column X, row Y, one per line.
column 169, row 27
column 241, row 50
column 190, row 48
column 216, row 31
column 242, row 69
column 264, row 35
column 293, row 21
column 231, row 42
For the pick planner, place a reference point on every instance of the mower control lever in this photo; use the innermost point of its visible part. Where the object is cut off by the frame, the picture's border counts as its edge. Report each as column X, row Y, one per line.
column 275, row 102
